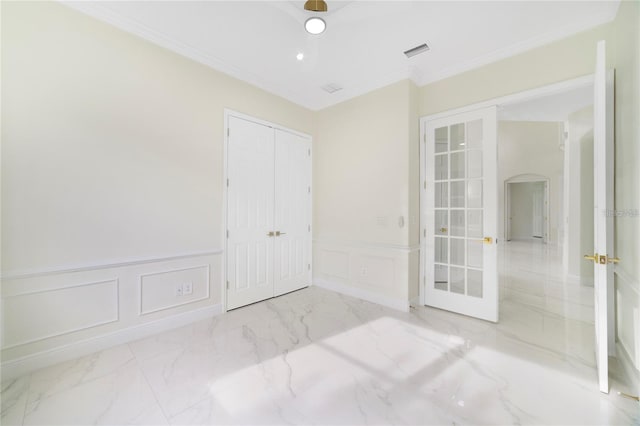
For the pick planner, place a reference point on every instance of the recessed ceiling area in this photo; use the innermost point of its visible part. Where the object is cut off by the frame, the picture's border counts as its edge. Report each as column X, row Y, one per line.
column 364, row 43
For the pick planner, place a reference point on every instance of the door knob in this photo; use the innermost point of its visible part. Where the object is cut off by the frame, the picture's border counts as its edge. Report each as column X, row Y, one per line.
column 594, row 258
column 278, row 233
column 613, row 260
column 271, row 234
column 443, row 230
column 487, row 240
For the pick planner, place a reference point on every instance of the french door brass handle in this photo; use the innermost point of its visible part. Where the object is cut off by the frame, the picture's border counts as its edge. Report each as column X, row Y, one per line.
column 278, row 233
column 593, row 258
column 443, row 230
column 487, row 240
column 271, row 234
column 614, row 260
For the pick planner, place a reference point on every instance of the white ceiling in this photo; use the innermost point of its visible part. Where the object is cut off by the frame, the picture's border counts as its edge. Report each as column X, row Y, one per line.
column 362, row 48
column 555, row 107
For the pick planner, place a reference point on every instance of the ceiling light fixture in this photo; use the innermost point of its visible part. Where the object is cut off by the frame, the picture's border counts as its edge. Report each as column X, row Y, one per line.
column 315, row 25
column 300, row 56
column 316, row 5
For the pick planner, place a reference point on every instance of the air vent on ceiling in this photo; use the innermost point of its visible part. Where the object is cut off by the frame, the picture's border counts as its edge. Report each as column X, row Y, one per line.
column 331, row 87
column 416, row 50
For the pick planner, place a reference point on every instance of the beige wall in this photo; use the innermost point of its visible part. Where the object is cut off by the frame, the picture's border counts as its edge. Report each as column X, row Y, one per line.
column 364, row 170
column 528, row 147
column 112, row 146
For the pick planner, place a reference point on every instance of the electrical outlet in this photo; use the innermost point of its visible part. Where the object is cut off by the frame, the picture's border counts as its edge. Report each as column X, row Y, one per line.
column 179, row 290
column 187, row 288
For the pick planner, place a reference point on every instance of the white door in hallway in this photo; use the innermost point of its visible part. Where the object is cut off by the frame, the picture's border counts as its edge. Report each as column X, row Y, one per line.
column 460, row 214
column 603, row 109
column 292, row 243
column 268, row 212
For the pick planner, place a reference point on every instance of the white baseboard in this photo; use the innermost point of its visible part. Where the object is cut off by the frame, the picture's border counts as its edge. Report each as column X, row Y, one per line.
column 20, row 366
column 369, row 296
column 630, row 371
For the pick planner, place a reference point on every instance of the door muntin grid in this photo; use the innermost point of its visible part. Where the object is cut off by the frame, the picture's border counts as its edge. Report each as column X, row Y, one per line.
column 458, row 208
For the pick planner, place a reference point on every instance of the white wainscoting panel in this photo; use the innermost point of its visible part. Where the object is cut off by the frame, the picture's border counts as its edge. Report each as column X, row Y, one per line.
column 374, row 272
column 628, row 323
column 56, row 315
column 50, row 313
column 158, row 290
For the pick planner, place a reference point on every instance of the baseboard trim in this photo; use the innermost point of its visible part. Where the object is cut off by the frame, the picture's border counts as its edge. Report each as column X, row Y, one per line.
column 20, row 366
column 627, row 365
column 359, row 293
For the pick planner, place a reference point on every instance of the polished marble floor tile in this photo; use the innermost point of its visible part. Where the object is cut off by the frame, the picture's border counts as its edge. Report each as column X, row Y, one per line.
column 317, row 357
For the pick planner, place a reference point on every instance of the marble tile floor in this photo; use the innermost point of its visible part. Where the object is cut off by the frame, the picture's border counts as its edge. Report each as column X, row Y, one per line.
column 317, row 357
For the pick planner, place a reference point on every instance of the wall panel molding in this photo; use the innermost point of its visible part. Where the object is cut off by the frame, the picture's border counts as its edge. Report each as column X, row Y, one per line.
column 112, row 264
column 206, row 284
column 90, row 316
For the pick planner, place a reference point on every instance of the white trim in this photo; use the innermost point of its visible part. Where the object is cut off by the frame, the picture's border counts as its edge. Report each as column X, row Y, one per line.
column 34, row 273
column 232, row 113
column 359, row 293
column 20, row 366
column 374, row 246
column 116, row 281
column 525, row 95
column 186, row 302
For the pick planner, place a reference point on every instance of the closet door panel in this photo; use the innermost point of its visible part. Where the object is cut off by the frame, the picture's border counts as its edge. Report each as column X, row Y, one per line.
column 292, row 248
column 250, row 207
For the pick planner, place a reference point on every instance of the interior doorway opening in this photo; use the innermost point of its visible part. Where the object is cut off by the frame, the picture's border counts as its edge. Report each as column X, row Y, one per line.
column 526, row 208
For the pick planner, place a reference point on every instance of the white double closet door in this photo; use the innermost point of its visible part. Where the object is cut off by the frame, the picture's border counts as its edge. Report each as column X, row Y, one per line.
column 268, row 212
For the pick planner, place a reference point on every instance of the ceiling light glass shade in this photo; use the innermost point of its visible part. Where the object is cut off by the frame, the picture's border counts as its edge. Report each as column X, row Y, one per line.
column 315, row 25
column 315, row 5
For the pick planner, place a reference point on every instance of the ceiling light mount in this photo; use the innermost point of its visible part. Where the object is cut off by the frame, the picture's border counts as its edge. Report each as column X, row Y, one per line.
column 315, row 6
column 315, row 25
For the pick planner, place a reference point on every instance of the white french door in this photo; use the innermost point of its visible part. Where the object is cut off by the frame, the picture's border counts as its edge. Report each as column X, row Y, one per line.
column 460, row 214
column 268, row 212
column 603, row 109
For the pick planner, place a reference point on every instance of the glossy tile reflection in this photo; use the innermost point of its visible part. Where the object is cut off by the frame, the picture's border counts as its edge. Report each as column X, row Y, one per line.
column 316, row 357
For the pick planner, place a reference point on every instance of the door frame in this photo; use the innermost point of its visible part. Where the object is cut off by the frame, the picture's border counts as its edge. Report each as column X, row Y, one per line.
column 225, row 175
column 526, row 178
column 501, row 101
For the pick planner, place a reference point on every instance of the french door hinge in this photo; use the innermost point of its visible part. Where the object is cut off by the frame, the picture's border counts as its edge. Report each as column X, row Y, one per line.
column 309, row 152
column 309, row 190
column 228, row 285
column 425, row 184
column 309, row 228
column 228, row 133
column 308, row 266
column 227, row 183
column 227, row 233
column 424, row 233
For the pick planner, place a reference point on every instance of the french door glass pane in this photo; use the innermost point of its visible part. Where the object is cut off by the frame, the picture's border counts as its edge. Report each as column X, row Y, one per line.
column 458, row 227
column 442, row 195
column 457, row 165
column 441, row 281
